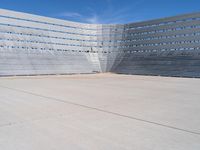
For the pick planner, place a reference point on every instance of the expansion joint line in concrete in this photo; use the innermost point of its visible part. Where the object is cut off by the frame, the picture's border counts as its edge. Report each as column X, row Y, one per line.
column 102, row 110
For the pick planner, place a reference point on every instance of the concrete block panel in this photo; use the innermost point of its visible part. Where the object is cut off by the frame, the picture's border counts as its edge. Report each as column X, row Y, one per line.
column 31, row 44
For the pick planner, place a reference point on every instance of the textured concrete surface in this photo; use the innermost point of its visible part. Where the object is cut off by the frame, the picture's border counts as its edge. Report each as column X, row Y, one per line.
column 177, row 65
column 34, row 45
column 103, row 111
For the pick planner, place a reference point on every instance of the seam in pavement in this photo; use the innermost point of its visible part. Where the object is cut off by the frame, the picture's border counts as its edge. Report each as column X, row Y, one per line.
column 102, row 110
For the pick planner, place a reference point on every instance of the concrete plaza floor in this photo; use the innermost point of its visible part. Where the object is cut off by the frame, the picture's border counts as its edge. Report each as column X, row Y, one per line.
column 99, row 112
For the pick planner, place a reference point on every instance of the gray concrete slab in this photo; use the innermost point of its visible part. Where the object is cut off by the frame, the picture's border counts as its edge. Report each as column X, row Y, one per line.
column 102, row 111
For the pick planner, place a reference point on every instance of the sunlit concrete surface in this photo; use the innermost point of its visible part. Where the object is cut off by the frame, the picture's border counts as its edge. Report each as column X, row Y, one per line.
column 99, row 112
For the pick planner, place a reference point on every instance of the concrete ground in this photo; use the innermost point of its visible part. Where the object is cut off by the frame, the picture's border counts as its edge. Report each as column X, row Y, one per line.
column 99, row 112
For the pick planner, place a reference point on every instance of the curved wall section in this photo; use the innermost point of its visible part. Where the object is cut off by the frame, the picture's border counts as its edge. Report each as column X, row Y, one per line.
column 31, row 45
column 167, row 47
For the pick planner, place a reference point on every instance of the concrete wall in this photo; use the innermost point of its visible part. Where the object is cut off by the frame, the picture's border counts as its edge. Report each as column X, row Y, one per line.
column 168, row 47
column 31, row 44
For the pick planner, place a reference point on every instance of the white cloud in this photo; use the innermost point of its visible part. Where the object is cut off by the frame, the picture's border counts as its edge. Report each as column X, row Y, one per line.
column 70, row 14
column 109, row 15
column 94, row 19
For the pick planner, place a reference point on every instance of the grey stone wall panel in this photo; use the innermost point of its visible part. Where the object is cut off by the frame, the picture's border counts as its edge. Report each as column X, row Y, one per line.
column 31, row 45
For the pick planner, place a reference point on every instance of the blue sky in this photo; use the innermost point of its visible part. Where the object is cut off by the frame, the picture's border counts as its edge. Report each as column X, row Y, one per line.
column 103, row 11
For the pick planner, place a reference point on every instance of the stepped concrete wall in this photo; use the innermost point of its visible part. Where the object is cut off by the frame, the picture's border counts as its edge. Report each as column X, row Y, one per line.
column 31, row 45
column 167, row 47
